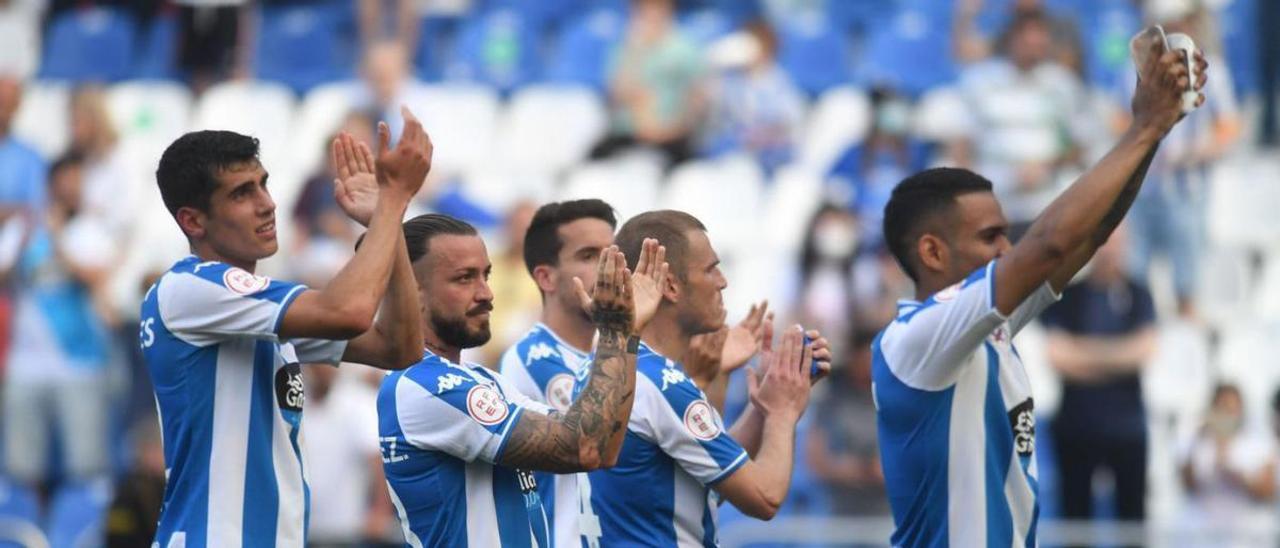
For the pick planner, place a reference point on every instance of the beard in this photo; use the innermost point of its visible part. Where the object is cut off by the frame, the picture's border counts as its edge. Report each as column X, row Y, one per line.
column 454, row 331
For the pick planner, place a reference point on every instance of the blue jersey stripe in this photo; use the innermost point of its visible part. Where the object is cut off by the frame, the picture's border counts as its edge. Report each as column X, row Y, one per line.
column 261, row 494
column 509, row 504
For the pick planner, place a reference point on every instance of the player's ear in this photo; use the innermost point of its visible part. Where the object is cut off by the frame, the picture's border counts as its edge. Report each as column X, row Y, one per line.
column 191, row 221
column 933, row 253
column 671, row 290
column 546, row 278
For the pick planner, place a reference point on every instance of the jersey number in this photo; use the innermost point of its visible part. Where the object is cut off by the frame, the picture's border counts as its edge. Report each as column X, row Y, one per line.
column 588, row 521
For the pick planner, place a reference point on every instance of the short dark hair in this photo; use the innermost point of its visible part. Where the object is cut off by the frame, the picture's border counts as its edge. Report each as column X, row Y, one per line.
column 73, row 158
column 669, row 227
column 188, row 169
column 419, row 231
column 542, row 242
column 919, row 199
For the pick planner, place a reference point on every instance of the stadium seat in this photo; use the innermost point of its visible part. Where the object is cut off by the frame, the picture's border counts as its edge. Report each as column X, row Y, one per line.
column 89, row 45
column 858, row 16
column 941, row 115
column 77, row 514
column 1238, row 28
column 320, row 114
column 303, row 45
column 158, row 52
column 43, row 119
column 815, row 54
column 497, row 48
column 1268, row 289
column 150, row 110
column 726, row 195
column 542, row 16
column 1225, row 290
column 582, row 54
column 462, row 120
column 629, row 185
column 1244, row 346
column 436, row 35
column 19, row 515
column 1105, row 31
column 795, row 194
column 547, row 128
column 839, row 119
column 705, row 26
column 915, row 37
column 1176, row 382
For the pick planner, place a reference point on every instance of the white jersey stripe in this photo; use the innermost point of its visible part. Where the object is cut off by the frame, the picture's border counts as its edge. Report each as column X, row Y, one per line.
column 966, row 468
column 230, row 445
column 480, row 507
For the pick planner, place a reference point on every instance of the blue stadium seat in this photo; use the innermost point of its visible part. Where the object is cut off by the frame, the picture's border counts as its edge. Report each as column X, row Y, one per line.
column 1239, row 31
column 1105, row 32
column 306, row 44
column 435, row 41
column 858, row 16
column 157, row 55
column 585, row 47
column 76, row 513
column 497, row 48
column 918, row 37
column 18, row 509
column 816, row 54
column 543, row 15
column 705, row 26
column 89, row 45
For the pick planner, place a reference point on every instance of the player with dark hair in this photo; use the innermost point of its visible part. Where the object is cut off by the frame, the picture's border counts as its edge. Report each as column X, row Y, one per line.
column 676, row 447
column 564, row 241
column 459, row 442
column 954, row 408
column 223, row 343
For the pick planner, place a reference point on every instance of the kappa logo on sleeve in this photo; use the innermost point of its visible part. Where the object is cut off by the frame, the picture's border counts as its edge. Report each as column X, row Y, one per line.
column 244, row 283
column 540, row 351
column 700, row 421
column 486, row 405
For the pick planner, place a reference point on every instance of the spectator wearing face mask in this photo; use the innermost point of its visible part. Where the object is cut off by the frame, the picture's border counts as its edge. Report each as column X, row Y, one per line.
column 1229, row 470
column 825, row 298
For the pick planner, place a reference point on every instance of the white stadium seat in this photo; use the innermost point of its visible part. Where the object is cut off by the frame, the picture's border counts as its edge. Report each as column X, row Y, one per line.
column 840, row 118
column 320, row 115
column 629, row 185
column 549, row 128
column 461, row 120
column 43, row 119
column 726, row 195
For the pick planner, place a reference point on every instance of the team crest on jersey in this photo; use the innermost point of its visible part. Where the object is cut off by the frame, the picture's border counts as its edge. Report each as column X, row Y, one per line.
column 486, row 405
column 244, row 283
column 1022, row 418
column 560, row 392
column 700, row 421
column 289, row 391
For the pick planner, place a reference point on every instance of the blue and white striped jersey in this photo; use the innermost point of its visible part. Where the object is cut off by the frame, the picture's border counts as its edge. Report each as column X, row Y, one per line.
column 543, row 367
column 442, row 427
column 956, row 418
column 676, row 448
column 230, row 397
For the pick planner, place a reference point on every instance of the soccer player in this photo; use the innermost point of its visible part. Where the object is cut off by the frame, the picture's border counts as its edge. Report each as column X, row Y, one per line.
column 563, row 242
column 954, row 408
column 459, row 442
column 676, row 448
column 223, row 344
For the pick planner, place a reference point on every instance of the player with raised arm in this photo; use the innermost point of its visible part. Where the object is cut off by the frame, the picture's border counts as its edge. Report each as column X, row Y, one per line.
column 223, row 344
column 459, row 441
column 676, row 448
column 563, row 242
column 954, row 408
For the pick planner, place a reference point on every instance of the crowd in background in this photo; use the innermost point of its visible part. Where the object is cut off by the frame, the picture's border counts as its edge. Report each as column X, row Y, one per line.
column 1029, row 93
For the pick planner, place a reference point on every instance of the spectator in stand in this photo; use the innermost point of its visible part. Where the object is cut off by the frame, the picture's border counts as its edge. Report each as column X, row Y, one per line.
column 135, row 509
column 512, row 286
column 214, row 40
column 843, row 451
column 350, row 505
column 20, row 24
column 1169, row 215
column 1229, row 470
column 324, row 237
column 1101, row 334
column 59, row 353
column 754, row 107
column 975, row 43
column 388, row 82
column 1024, row 130
column 22, row 197
column 108, row 193
column 825, row 293
column 655, row 86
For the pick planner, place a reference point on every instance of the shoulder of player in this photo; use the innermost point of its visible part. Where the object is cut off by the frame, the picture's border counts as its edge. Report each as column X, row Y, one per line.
column 193, row 274
column 437, row 376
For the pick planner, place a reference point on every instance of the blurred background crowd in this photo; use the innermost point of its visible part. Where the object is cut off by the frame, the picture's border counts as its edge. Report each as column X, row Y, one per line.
column 782, row 124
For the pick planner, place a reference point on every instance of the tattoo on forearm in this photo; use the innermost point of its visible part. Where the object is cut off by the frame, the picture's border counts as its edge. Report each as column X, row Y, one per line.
column 1124, row 201
column 566, row 442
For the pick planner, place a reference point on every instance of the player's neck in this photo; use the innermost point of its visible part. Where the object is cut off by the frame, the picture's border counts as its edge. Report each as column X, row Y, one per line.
column 571, row 326
column 207, row 253
column 440, row 348
column 665, row 337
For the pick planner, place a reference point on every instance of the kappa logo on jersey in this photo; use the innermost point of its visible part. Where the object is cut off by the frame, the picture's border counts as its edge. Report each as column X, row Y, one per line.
column 486, row 405
column 1023, row 420
column 449, row 382
column 700, row 421
column 244, row 283
column 540, row 351
column 672, row 376
column 290, row 394
column 560, row 392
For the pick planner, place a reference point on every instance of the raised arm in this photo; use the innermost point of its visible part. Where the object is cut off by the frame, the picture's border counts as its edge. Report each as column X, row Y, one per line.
column 395, row 341
column 589, row 435
column 759, row 487
column 1068, row 232
column 345, row 308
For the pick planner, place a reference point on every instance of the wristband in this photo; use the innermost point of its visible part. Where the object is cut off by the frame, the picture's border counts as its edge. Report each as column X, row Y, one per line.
column 633, row 344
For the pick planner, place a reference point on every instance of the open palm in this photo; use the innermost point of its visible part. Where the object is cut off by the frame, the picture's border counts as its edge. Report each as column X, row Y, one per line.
column 648, row 281
column 743, row 340
column 356, row 187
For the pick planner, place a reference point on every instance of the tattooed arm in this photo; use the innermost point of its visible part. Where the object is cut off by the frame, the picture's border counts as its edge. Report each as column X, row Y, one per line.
column 589, row 434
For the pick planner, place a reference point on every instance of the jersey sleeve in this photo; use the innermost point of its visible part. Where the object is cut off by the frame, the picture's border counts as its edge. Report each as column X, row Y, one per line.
column 219, row 302
column 674, row 414
column 925, row 347
column 1032, row 307
column 323, row 351
column 538, row 371
column 445, row 410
